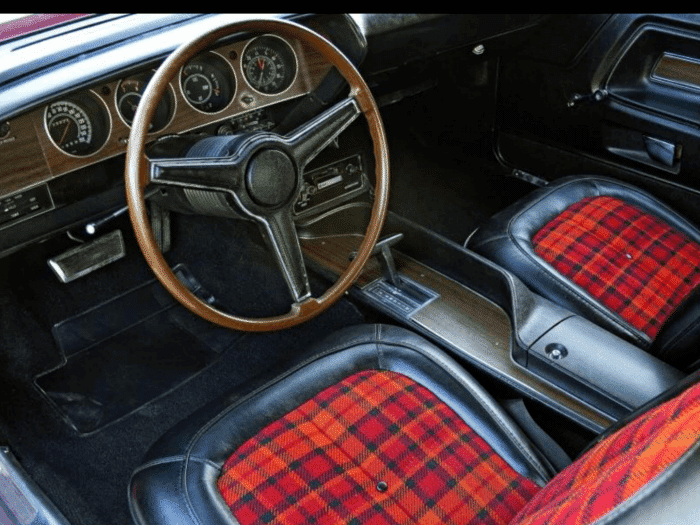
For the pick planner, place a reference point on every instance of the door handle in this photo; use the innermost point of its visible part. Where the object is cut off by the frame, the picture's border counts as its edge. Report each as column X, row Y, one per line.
column 662, row 151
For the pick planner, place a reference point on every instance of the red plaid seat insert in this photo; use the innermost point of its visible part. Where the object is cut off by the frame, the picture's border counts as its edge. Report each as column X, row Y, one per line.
column 619, row 466
column 375, row 449
column 632, row 262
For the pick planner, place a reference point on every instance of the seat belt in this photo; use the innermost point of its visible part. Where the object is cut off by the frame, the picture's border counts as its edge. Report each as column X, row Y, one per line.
column 548, row 447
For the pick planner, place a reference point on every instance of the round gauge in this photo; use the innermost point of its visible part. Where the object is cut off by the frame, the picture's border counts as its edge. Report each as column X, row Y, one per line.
column 128, row 96
column 269, row 65
column 78, row 126
column 208, row 83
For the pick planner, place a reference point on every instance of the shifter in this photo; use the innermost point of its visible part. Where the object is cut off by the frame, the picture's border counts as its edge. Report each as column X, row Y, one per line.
column 396, row 292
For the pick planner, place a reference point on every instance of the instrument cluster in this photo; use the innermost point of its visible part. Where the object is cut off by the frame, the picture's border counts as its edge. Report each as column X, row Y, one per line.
column 217, row 84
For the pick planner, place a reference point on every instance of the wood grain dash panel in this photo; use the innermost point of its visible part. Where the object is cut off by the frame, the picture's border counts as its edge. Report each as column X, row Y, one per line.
column 462, row 318
column 22, row 162
column 678, row 69
column 28, row 156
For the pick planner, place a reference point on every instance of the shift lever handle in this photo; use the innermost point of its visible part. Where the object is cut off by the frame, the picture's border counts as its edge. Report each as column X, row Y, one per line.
column 382, row 250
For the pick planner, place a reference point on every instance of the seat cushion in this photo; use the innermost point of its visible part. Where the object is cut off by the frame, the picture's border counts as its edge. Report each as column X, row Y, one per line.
column 408, row 388
column 376, row 448
column 609, row 252
column 633, row 263
column 390, row 430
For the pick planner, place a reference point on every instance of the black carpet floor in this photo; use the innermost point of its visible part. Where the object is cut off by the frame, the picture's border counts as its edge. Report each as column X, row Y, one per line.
column 122, row 354
column 87, row 475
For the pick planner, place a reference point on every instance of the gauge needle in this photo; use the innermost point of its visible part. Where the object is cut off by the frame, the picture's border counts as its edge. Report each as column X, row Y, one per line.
column 64, row 132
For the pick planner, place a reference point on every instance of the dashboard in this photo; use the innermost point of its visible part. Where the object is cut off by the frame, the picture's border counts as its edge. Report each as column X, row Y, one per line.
column 68, row 95
column 226, row 88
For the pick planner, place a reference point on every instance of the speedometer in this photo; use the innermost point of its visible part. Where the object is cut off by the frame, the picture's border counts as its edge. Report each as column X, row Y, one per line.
column 269, row 65
column 78, row 126
column 69, row 126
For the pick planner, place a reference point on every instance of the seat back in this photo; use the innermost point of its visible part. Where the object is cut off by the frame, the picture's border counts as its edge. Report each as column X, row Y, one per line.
column 651, row 463
column 609, row 252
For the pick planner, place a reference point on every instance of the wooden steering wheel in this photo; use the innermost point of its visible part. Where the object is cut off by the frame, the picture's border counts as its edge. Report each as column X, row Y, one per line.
column 262, row 172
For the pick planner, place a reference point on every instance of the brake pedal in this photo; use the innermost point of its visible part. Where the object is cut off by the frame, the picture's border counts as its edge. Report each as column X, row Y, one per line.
column 86, row 258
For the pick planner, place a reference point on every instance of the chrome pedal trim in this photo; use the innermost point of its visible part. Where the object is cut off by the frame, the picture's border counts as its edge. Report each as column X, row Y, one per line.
column 86, row 258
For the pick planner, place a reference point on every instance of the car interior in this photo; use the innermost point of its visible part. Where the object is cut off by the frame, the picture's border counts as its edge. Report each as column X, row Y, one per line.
column 350, row 268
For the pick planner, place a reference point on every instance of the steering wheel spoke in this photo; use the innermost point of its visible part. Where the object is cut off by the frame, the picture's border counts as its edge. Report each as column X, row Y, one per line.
column 280, row 233
column 215, row 174
column 311, row 138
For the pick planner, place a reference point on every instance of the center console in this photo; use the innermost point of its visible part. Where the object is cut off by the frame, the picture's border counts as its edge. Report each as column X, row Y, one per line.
column 486, row 316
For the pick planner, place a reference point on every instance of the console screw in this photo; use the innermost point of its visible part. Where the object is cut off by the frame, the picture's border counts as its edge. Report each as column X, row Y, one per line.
column 556, row 351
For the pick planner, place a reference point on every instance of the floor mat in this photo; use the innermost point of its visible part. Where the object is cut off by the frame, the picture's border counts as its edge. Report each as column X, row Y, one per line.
column 127, row 352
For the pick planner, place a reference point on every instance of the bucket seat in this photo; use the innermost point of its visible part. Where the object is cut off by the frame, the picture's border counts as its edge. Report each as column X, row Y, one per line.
column 609, row 252
column 380, row 427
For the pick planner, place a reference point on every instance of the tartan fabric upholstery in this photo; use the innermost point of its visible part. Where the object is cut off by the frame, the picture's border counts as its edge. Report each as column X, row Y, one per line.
column 630, row 261
column 617, row 467
column 377, row 449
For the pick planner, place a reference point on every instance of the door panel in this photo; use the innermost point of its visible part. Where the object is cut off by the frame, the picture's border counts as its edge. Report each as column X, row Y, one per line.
column 626, row 103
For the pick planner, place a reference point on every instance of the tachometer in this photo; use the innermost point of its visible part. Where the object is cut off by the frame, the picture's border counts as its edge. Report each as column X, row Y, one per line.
column 269, row 65
column 78, row 126
column 208, row 83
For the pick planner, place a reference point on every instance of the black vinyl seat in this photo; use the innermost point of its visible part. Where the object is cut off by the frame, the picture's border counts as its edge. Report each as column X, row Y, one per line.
column 380, row 426
column 609, row 252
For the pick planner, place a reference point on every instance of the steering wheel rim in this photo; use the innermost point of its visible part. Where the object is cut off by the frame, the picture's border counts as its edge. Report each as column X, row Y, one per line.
column 137, row 174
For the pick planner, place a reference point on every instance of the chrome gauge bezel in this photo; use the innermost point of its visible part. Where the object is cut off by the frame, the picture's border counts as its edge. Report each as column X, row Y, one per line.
column 78, row 101
column 138, row 77
column 292, row 53
column 232, row 78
